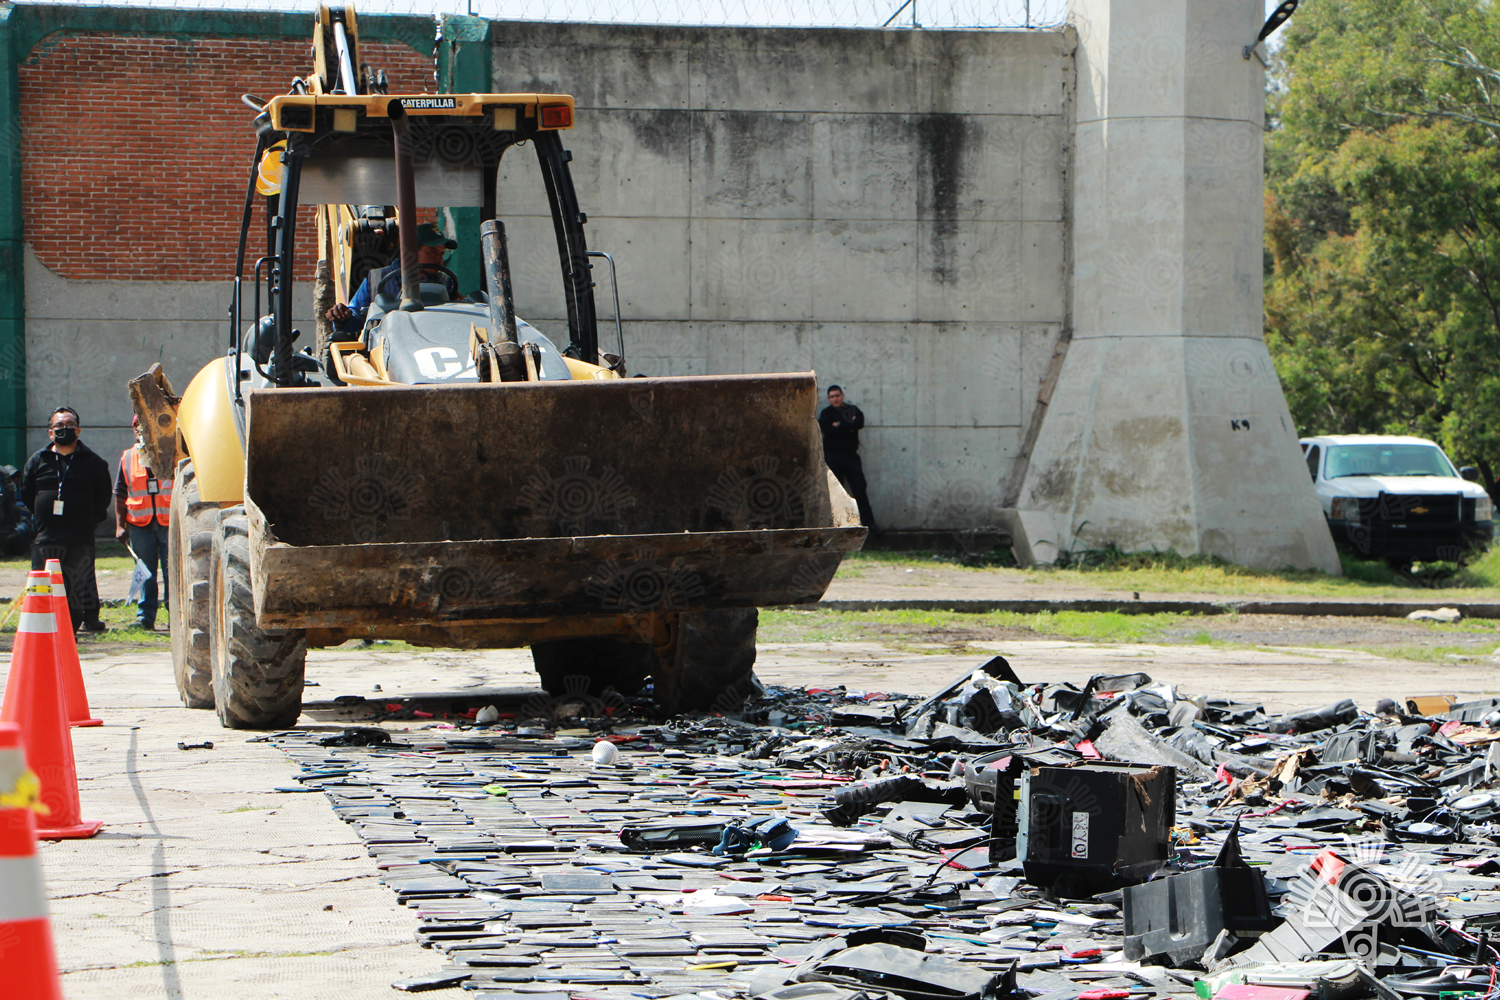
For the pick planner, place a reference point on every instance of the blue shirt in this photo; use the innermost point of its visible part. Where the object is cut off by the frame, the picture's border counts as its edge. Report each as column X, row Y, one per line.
column 359, row 306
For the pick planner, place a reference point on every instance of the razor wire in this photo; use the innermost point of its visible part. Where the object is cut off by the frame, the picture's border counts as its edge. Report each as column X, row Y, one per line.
column 895, row 14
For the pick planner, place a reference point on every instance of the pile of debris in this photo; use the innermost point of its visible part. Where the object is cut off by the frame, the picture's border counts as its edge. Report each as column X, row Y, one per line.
column 997, row 839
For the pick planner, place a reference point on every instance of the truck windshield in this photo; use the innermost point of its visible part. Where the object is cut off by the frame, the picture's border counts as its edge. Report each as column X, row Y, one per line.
column 1387, row 460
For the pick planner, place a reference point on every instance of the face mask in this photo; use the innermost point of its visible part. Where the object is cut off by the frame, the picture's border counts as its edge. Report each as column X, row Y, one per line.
column 65, row 435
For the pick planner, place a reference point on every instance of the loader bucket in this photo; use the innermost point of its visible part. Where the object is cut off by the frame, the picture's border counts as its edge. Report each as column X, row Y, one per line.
column 449, row 505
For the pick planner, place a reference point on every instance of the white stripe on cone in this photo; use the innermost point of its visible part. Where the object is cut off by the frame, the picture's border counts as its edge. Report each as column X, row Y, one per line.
column 57, row 578
column 21, row 894
column 37, row 621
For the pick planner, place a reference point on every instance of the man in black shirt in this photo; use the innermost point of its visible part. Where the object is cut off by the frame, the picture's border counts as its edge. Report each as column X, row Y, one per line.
column 69, row 487
column 840, row 423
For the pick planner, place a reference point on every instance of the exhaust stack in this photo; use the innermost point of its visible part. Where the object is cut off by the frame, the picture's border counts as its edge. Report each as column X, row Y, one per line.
column 511, row 365
column 406, row 210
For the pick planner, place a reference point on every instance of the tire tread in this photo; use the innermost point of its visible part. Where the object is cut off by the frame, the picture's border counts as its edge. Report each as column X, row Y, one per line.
column 187, row 573
column 258, row 674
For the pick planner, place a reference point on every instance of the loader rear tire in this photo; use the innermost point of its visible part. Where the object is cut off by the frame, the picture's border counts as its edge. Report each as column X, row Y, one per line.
column 190, row 535
column 257, row 673
column 591, row 665
column 712, row 663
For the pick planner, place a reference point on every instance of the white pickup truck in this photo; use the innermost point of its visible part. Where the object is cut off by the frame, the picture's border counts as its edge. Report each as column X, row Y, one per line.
column 1398, row 497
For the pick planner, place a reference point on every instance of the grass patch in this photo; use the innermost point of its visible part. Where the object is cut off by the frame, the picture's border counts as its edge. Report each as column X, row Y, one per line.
column 1105, row 626
column 1428, row 654
column 1171, row 573
column 906, row 627
column 122, row 626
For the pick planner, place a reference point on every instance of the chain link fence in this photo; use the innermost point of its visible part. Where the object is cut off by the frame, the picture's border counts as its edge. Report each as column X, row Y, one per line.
column 928, row 14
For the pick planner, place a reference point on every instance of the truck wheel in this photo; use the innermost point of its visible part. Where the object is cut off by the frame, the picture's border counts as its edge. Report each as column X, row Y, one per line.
column 590, row 665
column 712, row 664
column 190, row 535
column 257, row 674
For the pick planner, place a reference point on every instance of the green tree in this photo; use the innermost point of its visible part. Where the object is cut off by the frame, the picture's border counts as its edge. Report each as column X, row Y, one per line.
column 1383, row 221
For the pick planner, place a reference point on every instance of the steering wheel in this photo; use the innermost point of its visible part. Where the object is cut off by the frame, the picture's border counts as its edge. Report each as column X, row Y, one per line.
column 438, row 267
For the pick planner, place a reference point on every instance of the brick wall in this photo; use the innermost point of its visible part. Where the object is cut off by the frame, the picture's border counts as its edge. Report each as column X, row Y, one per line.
column 136, row 151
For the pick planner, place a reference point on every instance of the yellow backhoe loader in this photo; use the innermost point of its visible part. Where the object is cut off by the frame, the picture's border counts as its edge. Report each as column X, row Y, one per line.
column 445, row 473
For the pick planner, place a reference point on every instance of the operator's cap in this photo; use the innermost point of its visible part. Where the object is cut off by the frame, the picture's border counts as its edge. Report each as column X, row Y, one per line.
column 429, row 235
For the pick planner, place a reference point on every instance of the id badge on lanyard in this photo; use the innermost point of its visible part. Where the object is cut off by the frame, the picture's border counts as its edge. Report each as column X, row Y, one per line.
column 57, row 505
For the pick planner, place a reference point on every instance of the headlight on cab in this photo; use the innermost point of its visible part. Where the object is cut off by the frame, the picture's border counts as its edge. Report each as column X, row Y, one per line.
column 1484, row 509
column 1346, row 509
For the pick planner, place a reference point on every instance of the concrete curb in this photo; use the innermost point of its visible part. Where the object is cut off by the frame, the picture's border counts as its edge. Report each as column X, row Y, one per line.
column 1312, row 608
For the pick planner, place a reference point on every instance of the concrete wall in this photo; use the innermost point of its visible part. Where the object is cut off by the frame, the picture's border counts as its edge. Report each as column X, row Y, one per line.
column 886, row 208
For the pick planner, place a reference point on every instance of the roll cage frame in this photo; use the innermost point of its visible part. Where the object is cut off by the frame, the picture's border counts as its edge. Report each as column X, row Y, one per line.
column 568, row 221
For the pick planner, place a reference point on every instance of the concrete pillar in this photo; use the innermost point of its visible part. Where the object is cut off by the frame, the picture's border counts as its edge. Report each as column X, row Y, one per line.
column 1167, row 427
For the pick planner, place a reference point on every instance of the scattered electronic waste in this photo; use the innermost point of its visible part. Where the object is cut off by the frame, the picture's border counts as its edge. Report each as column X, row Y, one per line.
column 998, row 839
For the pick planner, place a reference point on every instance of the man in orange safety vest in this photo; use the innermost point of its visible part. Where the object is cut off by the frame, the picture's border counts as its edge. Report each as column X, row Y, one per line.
column 142, row 506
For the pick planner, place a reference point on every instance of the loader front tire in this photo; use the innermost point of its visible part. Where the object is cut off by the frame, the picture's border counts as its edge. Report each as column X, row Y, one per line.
column 711, row 665
column 190, row 535
column 257, row 673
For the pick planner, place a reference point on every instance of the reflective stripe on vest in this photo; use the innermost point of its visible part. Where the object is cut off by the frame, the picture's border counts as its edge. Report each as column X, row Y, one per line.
column 147, row 498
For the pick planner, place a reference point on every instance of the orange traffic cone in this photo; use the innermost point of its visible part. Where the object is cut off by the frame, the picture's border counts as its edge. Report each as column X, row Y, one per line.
column 26, row 952
column 34, row 700
column 74, row 694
